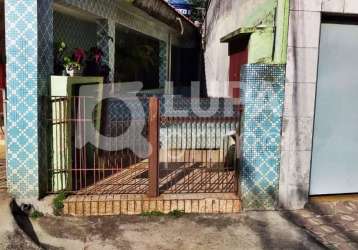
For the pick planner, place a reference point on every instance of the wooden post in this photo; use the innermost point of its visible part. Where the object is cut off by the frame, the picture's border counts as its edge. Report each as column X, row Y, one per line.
column 153, row 189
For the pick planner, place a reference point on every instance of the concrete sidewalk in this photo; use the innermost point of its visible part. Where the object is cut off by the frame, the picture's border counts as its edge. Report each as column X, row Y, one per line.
column 254, row 230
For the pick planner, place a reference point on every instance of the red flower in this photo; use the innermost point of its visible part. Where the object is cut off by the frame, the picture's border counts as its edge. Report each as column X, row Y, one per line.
column 97, row 54
column 79, row 55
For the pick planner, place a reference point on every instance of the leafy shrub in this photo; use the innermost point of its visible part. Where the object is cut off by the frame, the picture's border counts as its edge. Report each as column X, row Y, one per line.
column 58, row 204
column 36, row 214
column 176, row 213
column 152, row 214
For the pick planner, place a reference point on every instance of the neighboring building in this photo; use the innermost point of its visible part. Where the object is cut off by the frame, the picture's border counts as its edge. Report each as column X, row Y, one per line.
column 245, row 45
column 256, row 27
column 183, row 6
column 315, row 132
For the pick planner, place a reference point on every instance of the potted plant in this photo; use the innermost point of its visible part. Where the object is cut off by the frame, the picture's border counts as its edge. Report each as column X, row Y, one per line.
column 72, row 67
column 74, row 64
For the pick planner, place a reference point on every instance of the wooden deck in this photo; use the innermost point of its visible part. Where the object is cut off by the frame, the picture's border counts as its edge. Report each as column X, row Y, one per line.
column 180, row 177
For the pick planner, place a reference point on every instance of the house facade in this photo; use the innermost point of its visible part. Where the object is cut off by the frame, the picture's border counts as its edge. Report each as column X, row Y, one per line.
column 32, row 29
column 279, row 58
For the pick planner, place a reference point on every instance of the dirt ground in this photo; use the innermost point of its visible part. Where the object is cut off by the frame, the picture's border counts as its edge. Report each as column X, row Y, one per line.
column 254, row 230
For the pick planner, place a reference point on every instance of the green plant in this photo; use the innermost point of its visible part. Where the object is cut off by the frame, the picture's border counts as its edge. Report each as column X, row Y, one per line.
column 58, row 203
column 70, row 64
column 176, row 213
column 152, row 214
column 59, row 54
column 36, row 214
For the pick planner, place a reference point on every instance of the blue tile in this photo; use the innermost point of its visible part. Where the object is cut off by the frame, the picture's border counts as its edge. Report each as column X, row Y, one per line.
column 263, row 96
column 23, row 19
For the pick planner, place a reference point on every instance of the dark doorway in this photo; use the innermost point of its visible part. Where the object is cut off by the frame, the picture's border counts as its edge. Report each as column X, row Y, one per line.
column 185, row 69
column 137, row 58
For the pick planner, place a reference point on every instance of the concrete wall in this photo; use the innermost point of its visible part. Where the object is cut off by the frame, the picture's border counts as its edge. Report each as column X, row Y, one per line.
column 301, row 78
column 224, row 17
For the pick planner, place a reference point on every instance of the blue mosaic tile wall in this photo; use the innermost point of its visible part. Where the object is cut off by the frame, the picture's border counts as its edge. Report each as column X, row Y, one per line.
column 45, row 69
column 28, row 68
column 163, row 63
column 263, row 97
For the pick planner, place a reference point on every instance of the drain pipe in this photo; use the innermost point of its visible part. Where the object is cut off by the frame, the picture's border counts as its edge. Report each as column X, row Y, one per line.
column 181, row 25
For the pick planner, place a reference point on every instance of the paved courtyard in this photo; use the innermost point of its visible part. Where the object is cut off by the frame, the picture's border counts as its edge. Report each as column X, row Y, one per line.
column 258, row 230
column 333, row 223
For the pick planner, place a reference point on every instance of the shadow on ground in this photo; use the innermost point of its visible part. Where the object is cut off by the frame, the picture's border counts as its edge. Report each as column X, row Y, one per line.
column 254, row 230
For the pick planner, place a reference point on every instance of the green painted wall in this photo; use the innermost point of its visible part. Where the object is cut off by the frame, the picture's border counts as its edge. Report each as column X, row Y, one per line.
column 266, row 20
column 268, row 44
column 261, row 46
column 281, row 41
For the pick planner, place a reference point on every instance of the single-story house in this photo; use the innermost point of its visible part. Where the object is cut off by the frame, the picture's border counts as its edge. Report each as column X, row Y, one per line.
column 140, row 40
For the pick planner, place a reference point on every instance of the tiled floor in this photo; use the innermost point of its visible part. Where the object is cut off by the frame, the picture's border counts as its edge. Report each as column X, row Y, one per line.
column 333, row 223
column 187, row 186
column 173, row 178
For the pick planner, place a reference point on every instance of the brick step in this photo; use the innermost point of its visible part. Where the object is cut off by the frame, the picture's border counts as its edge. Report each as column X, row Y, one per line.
column 94, row 205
